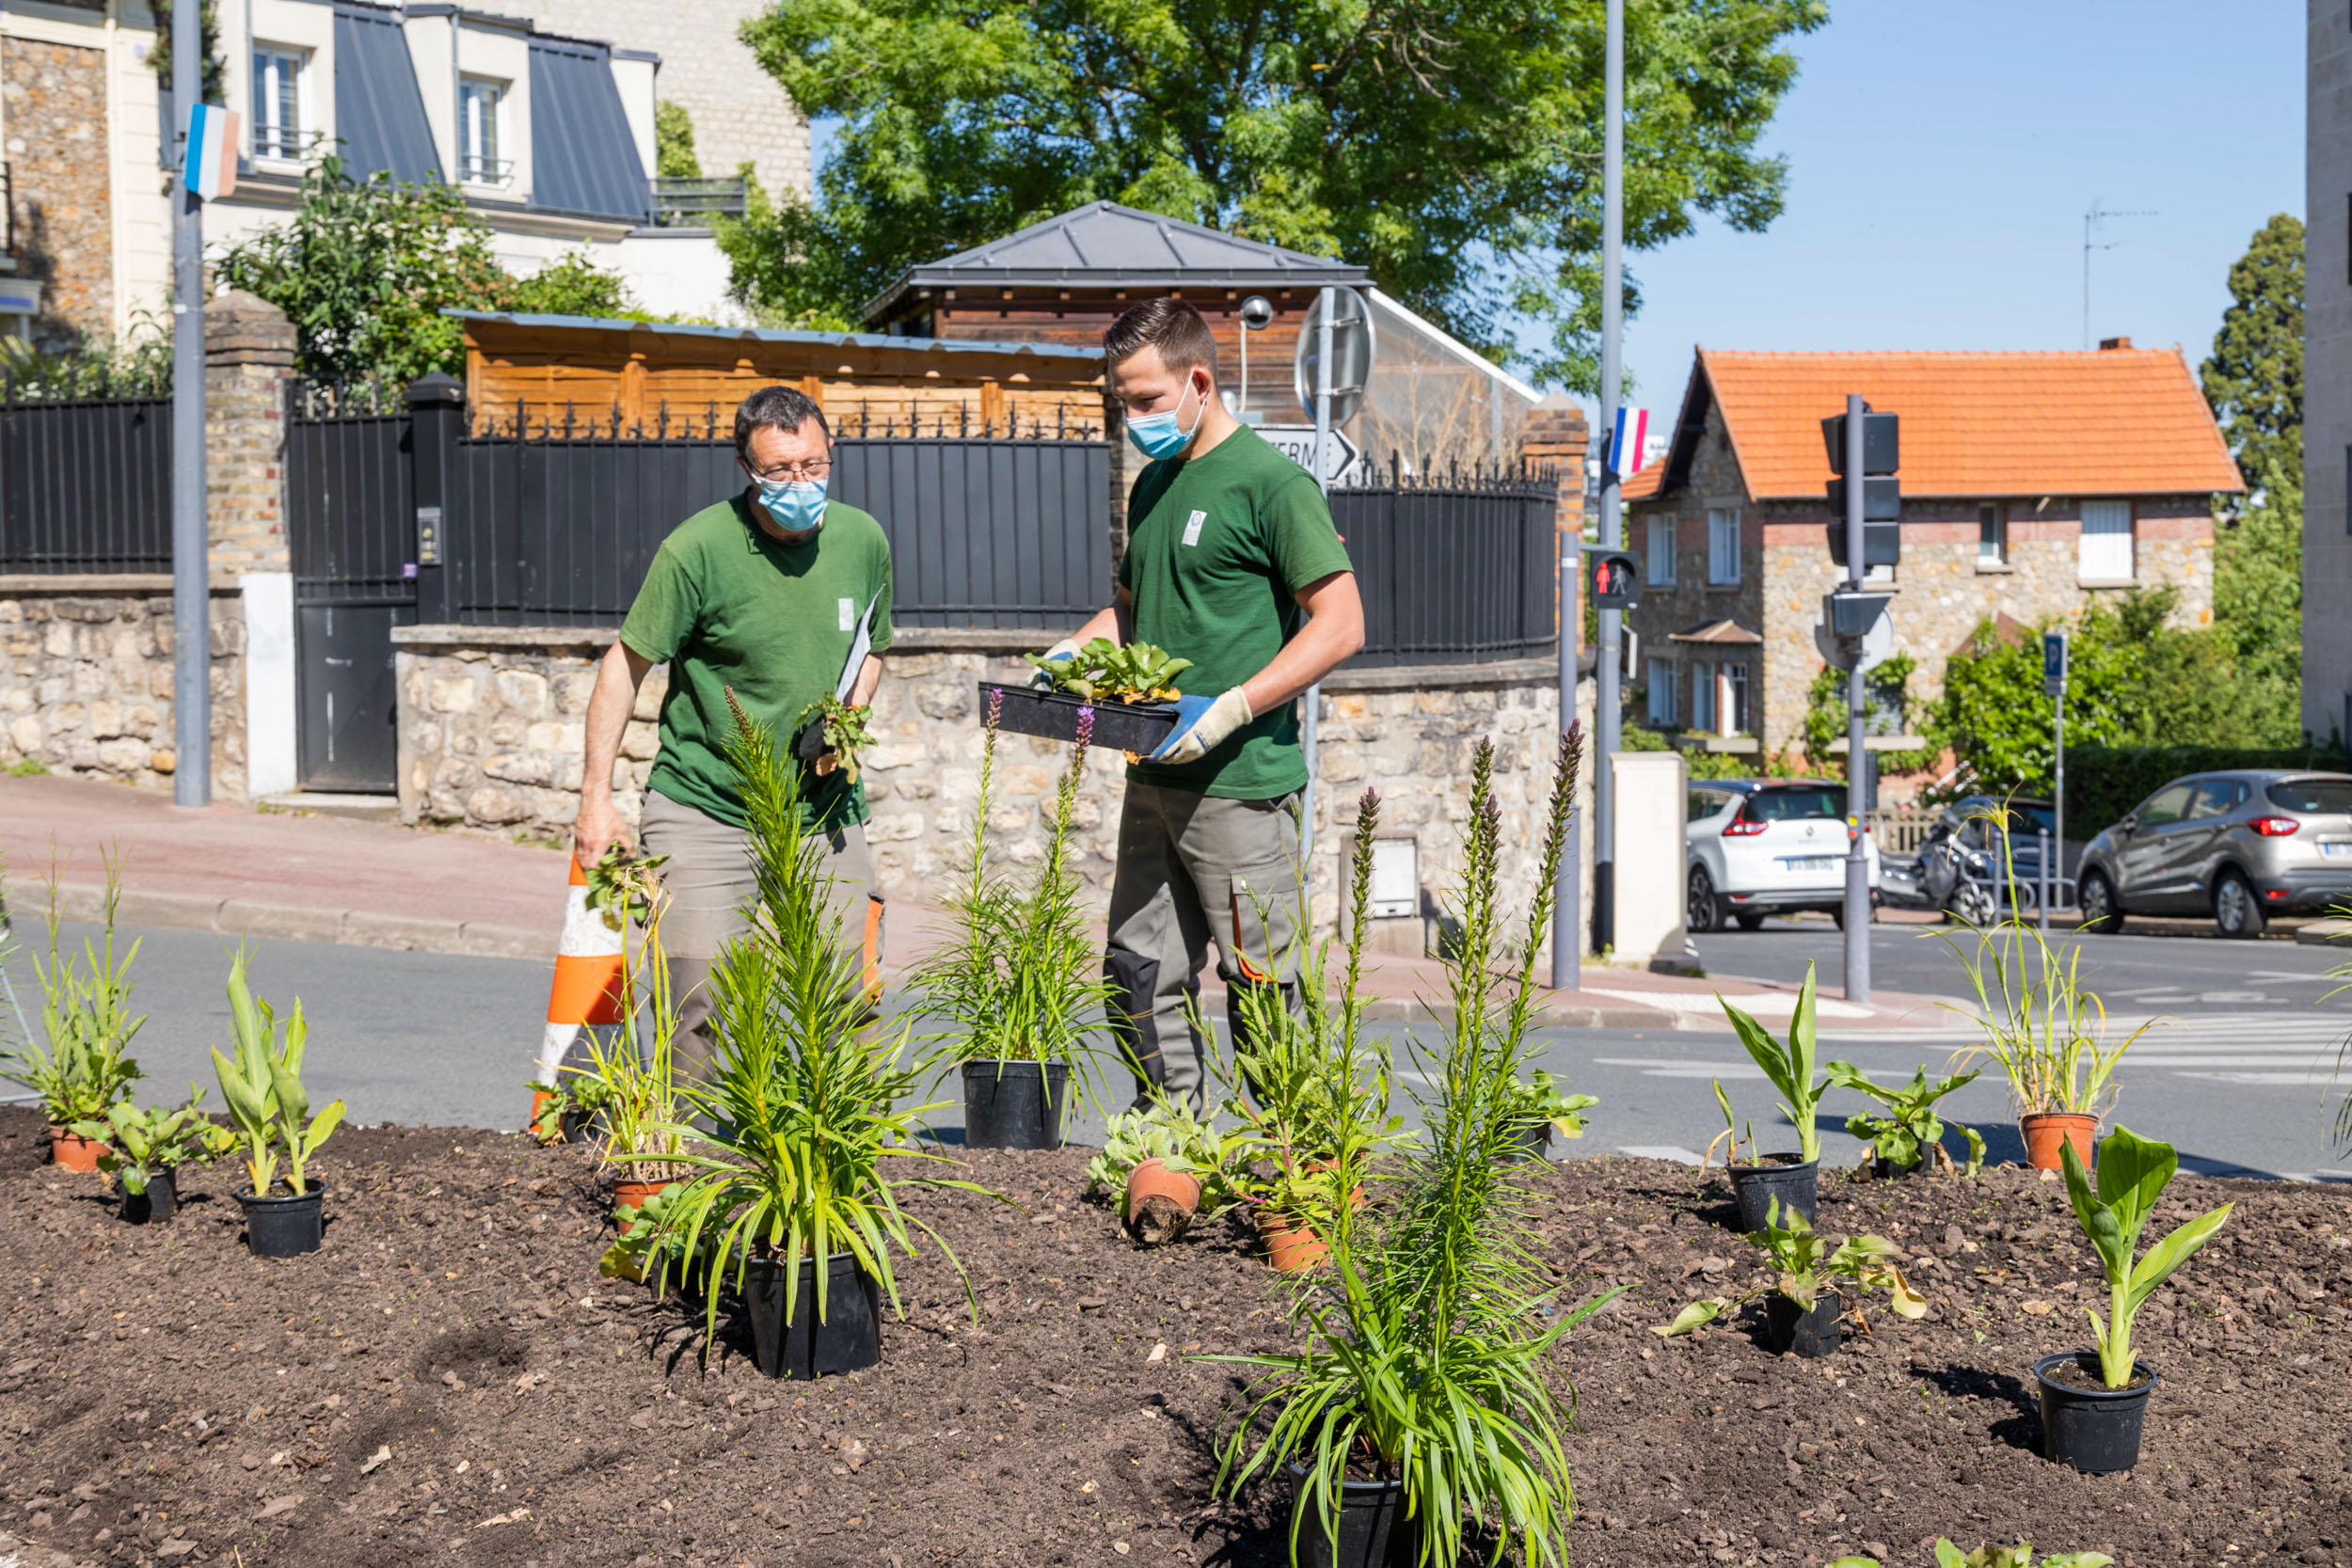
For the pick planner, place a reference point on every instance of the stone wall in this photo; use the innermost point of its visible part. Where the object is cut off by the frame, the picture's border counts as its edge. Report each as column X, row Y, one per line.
column 57, row 171
column 89, row 687
column 491, row 723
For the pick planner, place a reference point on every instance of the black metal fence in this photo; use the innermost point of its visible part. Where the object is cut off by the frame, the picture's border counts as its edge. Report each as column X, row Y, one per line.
column 1455, row 568
column 85, row 476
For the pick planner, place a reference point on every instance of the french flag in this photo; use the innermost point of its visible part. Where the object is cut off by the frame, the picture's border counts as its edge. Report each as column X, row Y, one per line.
column 1627, row 440
column 211, row 162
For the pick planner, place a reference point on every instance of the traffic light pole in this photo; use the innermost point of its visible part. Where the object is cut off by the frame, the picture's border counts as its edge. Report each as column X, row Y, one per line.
column 1857, row 755
column 191, row 589
column 1612, row 525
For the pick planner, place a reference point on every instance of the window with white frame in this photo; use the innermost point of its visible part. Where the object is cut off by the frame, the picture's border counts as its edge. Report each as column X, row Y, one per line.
column 1703, row 696
column 282, row 102
column 1992, row 534
column 1723, row 547
column 2107, row 545
column 1662, row 550
column 1662, row 691
column 1733, row 705
column 481, row 111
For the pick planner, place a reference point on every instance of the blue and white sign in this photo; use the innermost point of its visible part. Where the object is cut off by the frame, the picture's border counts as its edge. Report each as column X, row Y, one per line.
column 2053, row 664
column 211, row 162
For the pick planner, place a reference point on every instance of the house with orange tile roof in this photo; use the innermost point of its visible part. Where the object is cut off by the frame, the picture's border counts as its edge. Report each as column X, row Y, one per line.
column 2033, row 484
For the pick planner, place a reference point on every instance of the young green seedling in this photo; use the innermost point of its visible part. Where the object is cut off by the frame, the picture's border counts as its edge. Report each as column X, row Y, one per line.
column 142, row 1145
column 2019, row 1556
column 1546, row 1099
column 2133, row 1173
column 1801, row 1261
column 1787, row 1067
column 1910, row 1129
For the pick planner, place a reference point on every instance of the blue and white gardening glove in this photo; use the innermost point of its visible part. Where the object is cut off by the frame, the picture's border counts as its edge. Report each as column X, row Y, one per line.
column 1202, row 724
column 1064, row 656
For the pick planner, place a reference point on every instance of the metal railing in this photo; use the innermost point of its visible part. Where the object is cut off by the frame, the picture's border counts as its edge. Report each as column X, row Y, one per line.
column 681, row 202
column 85, row 471
column 1455, row 567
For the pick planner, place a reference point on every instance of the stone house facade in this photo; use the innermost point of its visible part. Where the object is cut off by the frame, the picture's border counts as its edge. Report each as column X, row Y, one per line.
column 2033, row 485
column 58, row 281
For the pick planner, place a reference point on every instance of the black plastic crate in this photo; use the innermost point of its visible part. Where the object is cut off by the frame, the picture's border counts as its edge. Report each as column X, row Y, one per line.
column 1138, row 727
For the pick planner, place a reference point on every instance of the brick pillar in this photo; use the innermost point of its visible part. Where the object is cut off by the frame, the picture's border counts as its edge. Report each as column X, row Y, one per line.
column 1554, row 441
column 248, row 362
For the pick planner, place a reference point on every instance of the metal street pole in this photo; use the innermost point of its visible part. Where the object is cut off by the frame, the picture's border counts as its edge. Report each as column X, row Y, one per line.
column 191, row 609
column 1326, row 303
column 1612, row 523
column 1857, row 755
column 1566, row 961
column 2057, row 793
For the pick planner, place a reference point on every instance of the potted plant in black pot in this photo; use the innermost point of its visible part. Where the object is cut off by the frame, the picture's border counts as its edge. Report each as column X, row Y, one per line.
column 1788, row 1065
column 1909, row 1139
column 1548, row 1110
column 1813, row 1287
column 1020, row 986
column 2094, row 1402
column 146, row 1150
column 267, row 1106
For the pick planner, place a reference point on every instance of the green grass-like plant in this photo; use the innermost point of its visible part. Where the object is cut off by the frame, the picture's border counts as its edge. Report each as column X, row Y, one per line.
column 82, row 1064
column 2113, row 1209
column 1427, row 1347
column 1910, row 1130
column 143, row 1144
column 262, row 1089
column 1788, row 1066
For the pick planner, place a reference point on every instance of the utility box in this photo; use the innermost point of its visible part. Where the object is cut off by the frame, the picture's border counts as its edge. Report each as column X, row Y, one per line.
column 1652, row 855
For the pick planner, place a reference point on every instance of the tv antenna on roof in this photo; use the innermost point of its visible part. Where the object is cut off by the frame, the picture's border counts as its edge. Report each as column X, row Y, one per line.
column 2092, row 220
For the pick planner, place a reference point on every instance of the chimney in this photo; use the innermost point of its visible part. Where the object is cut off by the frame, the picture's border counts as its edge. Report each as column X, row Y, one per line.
column 2105, row 343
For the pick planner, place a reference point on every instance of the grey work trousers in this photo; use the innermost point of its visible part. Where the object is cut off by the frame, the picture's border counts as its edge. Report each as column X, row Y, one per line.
column 1193, row 869
column 709, row 882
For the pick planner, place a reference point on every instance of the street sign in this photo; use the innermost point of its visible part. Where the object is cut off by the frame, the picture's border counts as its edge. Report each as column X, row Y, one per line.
column 1616, row 581
column 2053, row 664
column 1877, row 644
column 1351, row 355
column 1343, row 462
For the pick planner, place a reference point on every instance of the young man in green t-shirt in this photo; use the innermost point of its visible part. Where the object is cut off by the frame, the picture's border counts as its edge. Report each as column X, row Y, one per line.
column 1231, row 562
column 766, row 593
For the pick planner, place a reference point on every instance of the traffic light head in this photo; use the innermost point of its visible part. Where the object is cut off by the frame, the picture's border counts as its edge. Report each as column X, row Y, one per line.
column 1616, row 581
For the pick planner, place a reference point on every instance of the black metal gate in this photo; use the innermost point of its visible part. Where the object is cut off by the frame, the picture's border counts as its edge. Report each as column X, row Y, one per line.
column 351, row 532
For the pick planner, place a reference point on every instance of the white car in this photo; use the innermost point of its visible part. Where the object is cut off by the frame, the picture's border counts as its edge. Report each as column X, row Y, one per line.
column 1761, row 846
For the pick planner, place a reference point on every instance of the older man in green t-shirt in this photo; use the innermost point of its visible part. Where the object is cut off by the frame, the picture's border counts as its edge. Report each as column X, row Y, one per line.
column 1231, row 562
column 766, row 593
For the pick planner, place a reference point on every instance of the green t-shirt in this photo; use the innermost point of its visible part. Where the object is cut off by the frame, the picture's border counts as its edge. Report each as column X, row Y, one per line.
column 1217, row 549
column 726, row 605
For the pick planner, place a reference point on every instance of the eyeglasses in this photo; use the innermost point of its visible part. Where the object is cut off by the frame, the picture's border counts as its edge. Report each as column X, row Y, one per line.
column 815, row 468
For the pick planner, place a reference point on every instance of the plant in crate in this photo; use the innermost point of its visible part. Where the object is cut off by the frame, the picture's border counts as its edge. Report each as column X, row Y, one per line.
column 2092, row 1403
column 1105, row 671
column 1909, row 1138
column 1805, row 1307
column 1421, row 1402
column 271, row 1111
column 797, row 1125
column 1170, row 1166
column 145, row 1149
column 82, row 1064
column 1788, row 1067
column 1019, row 986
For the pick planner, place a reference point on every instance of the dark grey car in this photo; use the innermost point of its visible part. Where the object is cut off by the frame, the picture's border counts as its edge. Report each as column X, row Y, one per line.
column 2240, row 846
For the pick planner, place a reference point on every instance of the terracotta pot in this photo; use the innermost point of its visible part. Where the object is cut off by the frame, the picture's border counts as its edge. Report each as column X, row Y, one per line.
column 1160, row 1202
column 2048, row 1131
column 633, row 1195
column 70, row 1150
column 1290, row 1246
column 539, row 1099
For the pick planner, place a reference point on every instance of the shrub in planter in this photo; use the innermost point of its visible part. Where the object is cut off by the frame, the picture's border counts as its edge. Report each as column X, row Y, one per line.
column 1790, row 1179
column 2092, row 1404
column 1813, row 1287
column 1020, row 985
column 1909, row 1138
column 147, row 1149
column 1424, row 1379
column 1171, row 1166
column 797, row 1124
column 267, row 1106
column 81, row 1067
column 1548, row 1110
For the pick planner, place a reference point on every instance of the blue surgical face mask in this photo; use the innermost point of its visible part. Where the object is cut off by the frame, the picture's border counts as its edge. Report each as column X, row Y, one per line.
column 1158, row 436
column 796, row 504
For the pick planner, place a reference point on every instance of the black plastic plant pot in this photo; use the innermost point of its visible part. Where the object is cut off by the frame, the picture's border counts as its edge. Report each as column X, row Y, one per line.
column 1534, row 1142
column 2084, row 1423
column 804, row 1346
column 1887, row 1170
column 1138, row 727
column 155, row 1205
column 1013, row 1104
column 1789, row 1329
column 284, row 1225
column 1374, row 1529
column 1777, row 1175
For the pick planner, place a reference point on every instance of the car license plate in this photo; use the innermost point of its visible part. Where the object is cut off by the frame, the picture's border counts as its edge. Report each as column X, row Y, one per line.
column 1811, row 863
column 2336, row 848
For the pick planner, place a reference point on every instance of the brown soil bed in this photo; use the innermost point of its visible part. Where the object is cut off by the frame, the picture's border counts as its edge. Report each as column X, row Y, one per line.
column 166, row 1397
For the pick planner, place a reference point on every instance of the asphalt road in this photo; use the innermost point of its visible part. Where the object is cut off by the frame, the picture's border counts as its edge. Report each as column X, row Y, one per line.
column 2236, row 1071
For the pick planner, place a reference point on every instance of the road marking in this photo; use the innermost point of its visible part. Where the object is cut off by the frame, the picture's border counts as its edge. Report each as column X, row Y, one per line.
column 1666, row 1067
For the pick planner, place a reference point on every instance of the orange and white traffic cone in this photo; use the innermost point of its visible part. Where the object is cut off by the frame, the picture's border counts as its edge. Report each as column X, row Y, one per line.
column 588, row 986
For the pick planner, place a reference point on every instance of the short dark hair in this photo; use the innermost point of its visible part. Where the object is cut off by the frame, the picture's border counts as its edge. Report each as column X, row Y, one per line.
column 1170, row 326
column 775, row 408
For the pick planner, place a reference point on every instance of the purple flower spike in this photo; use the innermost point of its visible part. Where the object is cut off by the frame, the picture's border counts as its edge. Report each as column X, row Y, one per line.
column 1086, row 726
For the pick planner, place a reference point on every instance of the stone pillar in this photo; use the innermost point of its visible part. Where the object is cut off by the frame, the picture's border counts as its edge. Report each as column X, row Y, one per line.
column 248, row 366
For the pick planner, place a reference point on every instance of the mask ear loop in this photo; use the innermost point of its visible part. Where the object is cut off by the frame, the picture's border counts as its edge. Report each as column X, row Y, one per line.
column 1198, row 417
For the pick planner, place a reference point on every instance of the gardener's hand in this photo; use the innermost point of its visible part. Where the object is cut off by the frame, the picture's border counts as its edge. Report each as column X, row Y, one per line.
column 1064, row 656
column 1202, row 724
column 597, row 829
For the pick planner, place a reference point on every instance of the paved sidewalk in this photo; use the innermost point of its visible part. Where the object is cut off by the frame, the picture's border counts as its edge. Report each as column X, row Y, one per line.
column 233, row 869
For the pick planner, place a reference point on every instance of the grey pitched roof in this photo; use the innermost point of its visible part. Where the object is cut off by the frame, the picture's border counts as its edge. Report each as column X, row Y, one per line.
column 1106, row 246
column 379, row 112
column 943, row 347
column 582, row 157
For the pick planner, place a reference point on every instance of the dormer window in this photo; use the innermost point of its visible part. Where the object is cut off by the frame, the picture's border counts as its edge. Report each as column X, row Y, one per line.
column 480, row 132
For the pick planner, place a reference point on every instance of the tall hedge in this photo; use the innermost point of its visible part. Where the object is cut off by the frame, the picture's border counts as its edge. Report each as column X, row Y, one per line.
column 2104, row 782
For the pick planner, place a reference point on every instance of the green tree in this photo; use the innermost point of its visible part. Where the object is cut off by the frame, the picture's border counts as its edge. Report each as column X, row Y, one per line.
column 1453, row 149
column 2254, row 381
column 1889, row 687
column 571, row 285
column 215, row 78
column 673, row 143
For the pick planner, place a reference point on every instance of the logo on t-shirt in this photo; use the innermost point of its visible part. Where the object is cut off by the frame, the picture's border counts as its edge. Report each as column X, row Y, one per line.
column 1192, row 527
column 848, row 614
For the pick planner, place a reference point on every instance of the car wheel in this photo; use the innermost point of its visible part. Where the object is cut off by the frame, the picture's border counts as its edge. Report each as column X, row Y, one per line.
column 2237, row 909
column 1748, row 922
column 1704, row 911
column 1972, row 904
column 2102, row 913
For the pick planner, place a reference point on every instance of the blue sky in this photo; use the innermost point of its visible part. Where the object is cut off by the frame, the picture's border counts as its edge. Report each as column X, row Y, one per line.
column 1941, row 159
